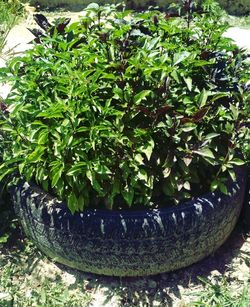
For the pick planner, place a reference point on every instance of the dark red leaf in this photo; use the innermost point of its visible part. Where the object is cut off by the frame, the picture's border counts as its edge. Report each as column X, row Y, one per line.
column 155, row 20
column 171, row 14
column 205, row 55
column 145, row 111
column 37, row 33
column 162, row 110
column 42, row 21
column 198, row 116
column 80, row 41
column 62, row 25
column 185, row 120
column 3, row 107
column 187, row 5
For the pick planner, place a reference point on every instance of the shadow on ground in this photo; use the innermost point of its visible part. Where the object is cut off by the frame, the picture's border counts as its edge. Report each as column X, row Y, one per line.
column 159, row 290
column 165, row 288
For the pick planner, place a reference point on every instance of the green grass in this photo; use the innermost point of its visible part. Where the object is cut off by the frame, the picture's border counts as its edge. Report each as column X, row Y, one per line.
column 220, row 293
column 10, row 11
column 243, row 22
column 25, row 283
column 20, row 286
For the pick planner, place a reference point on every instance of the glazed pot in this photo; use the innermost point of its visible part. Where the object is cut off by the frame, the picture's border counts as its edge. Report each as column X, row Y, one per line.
column 129, row 243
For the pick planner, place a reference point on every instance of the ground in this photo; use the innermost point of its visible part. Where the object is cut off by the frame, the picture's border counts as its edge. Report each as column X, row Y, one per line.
column 28, row 278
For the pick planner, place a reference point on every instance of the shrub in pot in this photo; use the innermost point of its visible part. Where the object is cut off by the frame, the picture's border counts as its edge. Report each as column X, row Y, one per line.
column 126, row 130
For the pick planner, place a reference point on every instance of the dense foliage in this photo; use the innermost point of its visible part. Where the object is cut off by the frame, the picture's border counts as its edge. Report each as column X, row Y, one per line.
column 234, row 7
column 121, row 108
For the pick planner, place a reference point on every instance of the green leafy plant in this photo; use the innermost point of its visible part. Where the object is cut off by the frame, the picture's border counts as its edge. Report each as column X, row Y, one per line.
column 21, row 285
column 219, row 293
column 10, row 11
column 125, row 108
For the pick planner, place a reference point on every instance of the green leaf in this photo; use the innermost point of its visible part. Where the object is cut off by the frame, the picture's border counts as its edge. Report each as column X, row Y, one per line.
column 151, row 43
column 128, row 195
column 232, row 174
column 187, row 160
column 45, row 185
column 168, row 188
column 237, row 161
column 214, row 185
column 139, row 158
column 235, row 111
column 28, row 172
column 187, row 185
column 203, row 98
column 175, row 76
column 142, row 95
column 118, row 93
column 223, row 188
column 81, row 202
column 181, row 56
column 142, row 175
column 166, row 172
column 43, row 137
column 83, row 129
column 36, row 154
column 205, row 152
column 95, row 184
column 189, row 82
column 101, row 169
column 188, row 127
column 77, row 168
column 6, row 172
column 72, row 202
column 4, row 238
column 93, row 6
column 211, row 136
column 53, row 112
column 56, row 176
column 116, row 187
column 147, row 149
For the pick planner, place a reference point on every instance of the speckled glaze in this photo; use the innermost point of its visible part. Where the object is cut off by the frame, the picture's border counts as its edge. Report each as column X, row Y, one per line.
column 123, row 243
